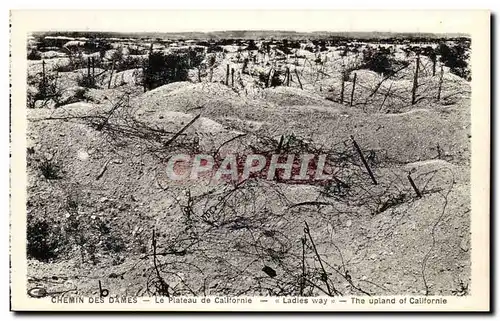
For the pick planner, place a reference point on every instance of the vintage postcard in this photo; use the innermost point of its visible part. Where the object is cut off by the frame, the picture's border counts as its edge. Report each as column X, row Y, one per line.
column 250, row 160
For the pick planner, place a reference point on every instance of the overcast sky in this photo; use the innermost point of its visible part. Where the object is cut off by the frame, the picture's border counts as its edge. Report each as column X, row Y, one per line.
column 176, row 21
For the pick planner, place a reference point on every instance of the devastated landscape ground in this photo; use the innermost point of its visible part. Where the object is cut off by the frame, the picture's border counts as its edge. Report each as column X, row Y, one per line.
column 105, row 119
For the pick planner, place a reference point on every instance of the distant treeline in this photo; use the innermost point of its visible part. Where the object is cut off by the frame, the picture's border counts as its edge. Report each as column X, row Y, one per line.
column 376, row 37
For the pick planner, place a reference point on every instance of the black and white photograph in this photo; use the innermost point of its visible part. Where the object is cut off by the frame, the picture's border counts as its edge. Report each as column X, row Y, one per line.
column 320, row 169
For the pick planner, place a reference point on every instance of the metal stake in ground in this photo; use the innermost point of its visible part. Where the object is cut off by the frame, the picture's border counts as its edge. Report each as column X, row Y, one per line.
column 353, row 88
column 111, row 76
column 298, row 78
column 227, row 74
column 415, row 188
column 364, row 160
column 280, row 144
column 89, row 77
column 415, row 81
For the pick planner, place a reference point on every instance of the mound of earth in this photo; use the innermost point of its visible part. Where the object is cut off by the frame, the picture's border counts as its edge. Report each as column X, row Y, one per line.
column 70, row 111
column 126, row 77
column 184, row 96
column 289, row 96
column 401, row 138
column 211, row 100
column 35, row 66
column 52, row 54
column 174, row 120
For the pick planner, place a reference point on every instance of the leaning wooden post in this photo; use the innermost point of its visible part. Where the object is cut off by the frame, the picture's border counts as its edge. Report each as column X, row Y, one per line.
column 298, row 78
column 111, row 76
column 227, row 74
column 280, row 144
column 385, row 97
column 182, row 130
column 415, row 81
column 356, row 146
column 440, row 83
column 353, row 88
column 288, row 76
column 415, row 188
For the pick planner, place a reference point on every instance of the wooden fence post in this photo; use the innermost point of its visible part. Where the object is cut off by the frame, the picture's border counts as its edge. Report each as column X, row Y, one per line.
column 232, row 77
column 227, row 74
column 288, row 76
column 353, row 88
column 415, row 81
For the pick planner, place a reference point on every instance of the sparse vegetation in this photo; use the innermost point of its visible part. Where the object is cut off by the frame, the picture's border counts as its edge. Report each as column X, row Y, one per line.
column 456, row 57
column 87, row 81
column 50, row 168
column 106, row 205
column 162, row 69
column 46, row 89
column 43, row 239
column 381, row 61
column 34, row 55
